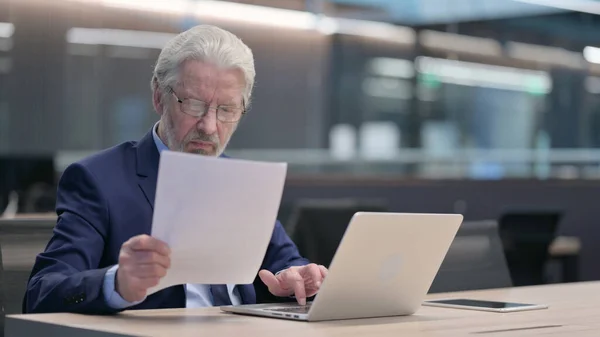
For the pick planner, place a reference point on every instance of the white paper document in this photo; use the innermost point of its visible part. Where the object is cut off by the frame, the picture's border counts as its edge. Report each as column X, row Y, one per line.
column 217, row 215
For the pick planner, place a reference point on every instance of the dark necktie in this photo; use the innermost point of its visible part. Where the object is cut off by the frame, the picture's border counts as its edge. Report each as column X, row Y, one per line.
column 220, row 295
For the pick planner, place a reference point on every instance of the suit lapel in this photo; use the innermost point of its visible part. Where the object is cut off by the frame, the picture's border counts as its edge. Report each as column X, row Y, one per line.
column 147, row 159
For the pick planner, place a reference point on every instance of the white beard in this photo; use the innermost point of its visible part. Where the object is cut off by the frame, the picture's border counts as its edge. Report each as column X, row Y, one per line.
column 174, row 145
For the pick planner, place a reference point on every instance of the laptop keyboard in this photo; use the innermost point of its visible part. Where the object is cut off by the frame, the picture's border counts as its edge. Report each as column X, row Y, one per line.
column 301, row 309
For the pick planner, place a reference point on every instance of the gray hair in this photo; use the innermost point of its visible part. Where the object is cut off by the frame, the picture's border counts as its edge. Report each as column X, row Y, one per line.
column 203, row 43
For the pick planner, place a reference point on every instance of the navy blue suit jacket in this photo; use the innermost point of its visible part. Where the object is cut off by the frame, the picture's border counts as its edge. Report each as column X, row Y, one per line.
column 102, row 201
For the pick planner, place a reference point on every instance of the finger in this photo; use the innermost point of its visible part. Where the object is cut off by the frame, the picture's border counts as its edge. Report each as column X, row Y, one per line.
column 313, row 279
column 146, row 270
column 145, row 242
column 294, row 280
column 323, row 270
column 272, row 283
column 314, row 273
column 147, row 256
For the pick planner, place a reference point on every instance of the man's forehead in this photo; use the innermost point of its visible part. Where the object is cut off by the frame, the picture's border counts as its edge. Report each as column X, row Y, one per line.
column 198, row 73
column 227, row 91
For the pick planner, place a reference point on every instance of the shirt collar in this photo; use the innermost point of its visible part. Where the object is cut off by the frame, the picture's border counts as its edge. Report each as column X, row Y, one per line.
column 159, row 143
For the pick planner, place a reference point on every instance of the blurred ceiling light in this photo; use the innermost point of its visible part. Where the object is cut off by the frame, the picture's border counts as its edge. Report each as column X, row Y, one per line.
column 377, row 30
column 392, row 67
column 7, row 29
column 161, row 6
column 591, row 54
column 269, row 16
column 118, row 37
column 460, row 43
column 166, row 7
column 327, row 25
column 545, row 54
column 485, row 75
column 262, row 15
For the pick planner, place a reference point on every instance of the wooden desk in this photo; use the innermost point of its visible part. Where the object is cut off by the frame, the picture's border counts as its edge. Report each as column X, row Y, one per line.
column 574, row 311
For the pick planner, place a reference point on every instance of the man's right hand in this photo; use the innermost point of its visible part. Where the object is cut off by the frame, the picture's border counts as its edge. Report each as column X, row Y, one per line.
column 143, row 261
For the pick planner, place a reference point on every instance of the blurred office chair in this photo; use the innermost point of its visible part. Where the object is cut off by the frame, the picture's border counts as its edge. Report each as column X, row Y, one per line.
column 317, row 225
column 20, row 242
column 19, row 173
column 526, row 237
column 12, row 207
column 40, row 198
column 475, row 260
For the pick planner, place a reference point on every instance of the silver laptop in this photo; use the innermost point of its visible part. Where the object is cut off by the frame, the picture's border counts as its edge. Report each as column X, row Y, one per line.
column 384, row 266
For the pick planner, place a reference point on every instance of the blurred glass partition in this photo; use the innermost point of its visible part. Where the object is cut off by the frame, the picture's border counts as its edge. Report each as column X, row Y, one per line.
column 512, row 94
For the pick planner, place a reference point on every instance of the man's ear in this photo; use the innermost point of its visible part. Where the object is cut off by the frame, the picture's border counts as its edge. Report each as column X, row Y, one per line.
column 157, row 98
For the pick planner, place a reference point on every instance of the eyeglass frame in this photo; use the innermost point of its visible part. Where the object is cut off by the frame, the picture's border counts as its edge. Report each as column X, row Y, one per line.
column 180, row 101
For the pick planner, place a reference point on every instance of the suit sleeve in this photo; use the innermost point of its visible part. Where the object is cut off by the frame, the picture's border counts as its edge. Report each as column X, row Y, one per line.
column 282, row 253
column 66, row 277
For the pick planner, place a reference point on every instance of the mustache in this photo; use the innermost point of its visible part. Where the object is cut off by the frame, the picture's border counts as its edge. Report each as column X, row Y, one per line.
column 200, row 136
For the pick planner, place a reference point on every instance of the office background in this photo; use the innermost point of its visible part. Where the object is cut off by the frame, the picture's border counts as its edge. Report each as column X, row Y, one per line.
column 474, row 106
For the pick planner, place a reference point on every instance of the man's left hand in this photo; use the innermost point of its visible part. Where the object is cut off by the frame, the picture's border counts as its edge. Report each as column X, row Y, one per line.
column 302, row 281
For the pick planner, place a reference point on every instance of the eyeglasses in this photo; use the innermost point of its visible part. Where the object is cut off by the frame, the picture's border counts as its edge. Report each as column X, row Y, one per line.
column 196, row 108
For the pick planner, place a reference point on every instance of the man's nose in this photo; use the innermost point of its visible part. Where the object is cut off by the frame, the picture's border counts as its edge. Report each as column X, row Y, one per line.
column 208, row 122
